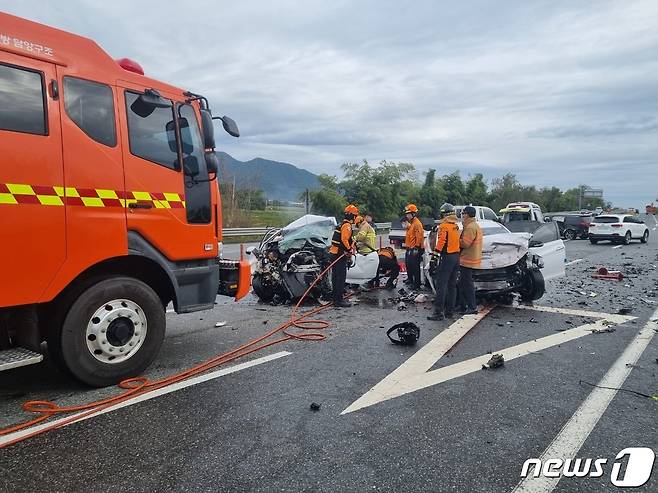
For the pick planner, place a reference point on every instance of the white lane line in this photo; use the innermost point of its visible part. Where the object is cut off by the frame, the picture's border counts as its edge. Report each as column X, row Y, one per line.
column 618, row 246
column 149, row 395
column 618, row 319
column 574, row 433
column 575, row 261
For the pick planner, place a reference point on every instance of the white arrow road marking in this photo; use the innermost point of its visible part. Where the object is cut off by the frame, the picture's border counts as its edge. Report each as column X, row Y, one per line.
column 574, row 433
column 413, row 374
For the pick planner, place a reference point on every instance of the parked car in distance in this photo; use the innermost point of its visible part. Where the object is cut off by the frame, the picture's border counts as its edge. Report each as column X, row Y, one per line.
column 572, row 226
column 521, row 211
column 618, row 228
column 481, row 213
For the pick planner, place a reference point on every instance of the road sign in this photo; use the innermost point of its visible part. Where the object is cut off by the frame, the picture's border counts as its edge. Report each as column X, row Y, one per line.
column 593, row 193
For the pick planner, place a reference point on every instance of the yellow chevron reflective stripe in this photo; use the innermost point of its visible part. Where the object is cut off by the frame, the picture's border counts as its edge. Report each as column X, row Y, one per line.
column 22, row 193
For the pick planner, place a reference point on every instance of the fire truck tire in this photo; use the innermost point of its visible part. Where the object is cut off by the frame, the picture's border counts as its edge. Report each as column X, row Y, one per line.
column 112, row 331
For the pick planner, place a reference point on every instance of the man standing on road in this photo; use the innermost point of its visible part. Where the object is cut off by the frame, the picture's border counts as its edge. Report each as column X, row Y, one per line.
column 341, row 248
column 445, row 279
column 469, row 258
column 414, row 241
column 366, row 238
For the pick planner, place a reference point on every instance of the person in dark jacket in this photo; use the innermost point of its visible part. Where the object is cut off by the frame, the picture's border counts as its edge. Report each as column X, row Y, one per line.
column 341, row 249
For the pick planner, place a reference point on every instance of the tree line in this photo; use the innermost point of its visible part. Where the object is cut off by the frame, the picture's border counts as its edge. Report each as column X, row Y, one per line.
column 385, row 189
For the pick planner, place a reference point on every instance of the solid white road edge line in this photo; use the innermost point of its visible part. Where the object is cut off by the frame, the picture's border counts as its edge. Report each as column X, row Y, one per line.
column 575, row 261
column 150, row 395
column 574, row 433
column 618, row 246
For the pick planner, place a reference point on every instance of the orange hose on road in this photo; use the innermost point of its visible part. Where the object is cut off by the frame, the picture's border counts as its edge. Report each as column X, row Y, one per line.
column 139, row 385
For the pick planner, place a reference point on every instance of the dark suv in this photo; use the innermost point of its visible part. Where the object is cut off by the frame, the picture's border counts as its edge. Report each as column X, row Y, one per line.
column 572, row 226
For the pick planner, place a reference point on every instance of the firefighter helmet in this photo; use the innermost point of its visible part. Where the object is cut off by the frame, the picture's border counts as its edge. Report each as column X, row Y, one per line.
column 411, row 209
column 408, row 333
column 351, row 209
column 447, row 210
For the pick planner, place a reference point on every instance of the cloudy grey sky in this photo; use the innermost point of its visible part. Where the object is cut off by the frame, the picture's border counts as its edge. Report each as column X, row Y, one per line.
column 558, row 92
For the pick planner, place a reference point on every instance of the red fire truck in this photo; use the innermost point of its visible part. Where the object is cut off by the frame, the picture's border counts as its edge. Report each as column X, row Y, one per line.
column 109, row 206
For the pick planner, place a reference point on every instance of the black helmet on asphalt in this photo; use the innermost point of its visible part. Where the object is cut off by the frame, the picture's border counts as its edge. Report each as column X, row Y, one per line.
column 447, row 210
column 408, row 333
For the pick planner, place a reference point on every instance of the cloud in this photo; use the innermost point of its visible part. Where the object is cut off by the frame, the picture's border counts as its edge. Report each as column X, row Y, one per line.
column 558, row 92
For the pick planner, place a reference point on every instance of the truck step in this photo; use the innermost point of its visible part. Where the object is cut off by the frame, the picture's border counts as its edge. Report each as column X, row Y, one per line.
column 18, row 356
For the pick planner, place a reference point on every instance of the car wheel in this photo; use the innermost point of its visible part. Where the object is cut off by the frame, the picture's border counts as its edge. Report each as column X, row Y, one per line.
column 593, row 242
column 262, row 288
column 627, row 238
column 569, row 234
column 112, row 331
column 645, row 237
column 535, row 286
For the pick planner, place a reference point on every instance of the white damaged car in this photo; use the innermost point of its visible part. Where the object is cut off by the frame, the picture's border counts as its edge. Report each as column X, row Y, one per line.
column 516, row 262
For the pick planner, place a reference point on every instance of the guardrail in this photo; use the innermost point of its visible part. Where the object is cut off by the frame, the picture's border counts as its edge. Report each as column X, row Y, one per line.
column 233, row 232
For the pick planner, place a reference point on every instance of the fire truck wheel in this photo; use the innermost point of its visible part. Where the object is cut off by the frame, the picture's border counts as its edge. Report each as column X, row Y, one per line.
column 112, row 331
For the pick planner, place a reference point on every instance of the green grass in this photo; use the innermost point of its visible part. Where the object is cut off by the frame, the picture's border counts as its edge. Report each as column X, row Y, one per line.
column 274, row 218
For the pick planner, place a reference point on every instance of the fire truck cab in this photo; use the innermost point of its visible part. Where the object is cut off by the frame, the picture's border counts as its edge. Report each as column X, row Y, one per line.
column 109, row 206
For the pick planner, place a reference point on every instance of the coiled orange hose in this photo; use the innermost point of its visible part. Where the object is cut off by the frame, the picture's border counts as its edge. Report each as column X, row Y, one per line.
column 140, row 385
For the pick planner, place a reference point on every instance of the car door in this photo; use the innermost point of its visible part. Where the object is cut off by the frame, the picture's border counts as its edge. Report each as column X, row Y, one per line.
column 546, row 243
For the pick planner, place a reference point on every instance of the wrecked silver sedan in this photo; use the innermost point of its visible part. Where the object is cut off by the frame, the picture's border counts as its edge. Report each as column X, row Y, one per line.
column 517, row 262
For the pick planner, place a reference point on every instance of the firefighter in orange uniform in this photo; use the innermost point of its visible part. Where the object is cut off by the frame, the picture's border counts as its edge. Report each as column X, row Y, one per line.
column 445, row 279
column 342, row 244
column 414, row 241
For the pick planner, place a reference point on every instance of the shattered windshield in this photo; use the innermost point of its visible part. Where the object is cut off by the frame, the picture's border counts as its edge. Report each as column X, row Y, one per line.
column 316, row 230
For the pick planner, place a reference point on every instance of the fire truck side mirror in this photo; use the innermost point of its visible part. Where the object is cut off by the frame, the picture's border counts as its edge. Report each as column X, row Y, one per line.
column 208, row 129
column 229, row 125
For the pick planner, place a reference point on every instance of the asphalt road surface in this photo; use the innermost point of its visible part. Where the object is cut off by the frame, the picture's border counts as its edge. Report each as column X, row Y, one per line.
column 438, row 423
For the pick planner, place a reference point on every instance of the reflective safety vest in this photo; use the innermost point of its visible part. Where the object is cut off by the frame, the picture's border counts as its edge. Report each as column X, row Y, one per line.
column 342, row 241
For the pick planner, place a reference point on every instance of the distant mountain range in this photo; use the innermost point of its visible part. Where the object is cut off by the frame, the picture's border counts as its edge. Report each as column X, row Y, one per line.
column 279, row 181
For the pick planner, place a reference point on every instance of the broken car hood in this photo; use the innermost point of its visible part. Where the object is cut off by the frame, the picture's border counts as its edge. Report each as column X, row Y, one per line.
column 503, row 250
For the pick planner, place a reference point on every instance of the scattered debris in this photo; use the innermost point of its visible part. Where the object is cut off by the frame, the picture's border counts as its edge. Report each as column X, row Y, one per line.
column 603, row 331
column 608, row 323
column 402, row 306
column 220, row 324
column 533, row 321
column 593, row 295
column 612, row 275
column 624, row 311
column 421, row 298
column 496, row 361
column 315, row 406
